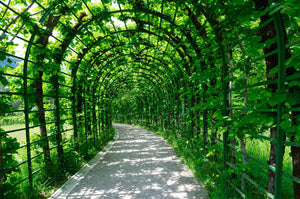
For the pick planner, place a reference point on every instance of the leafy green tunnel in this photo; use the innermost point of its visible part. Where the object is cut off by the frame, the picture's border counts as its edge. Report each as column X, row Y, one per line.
column 221, row 77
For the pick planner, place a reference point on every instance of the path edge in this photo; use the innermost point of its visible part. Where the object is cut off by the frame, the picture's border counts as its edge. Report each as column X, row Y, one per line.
column 68, row 186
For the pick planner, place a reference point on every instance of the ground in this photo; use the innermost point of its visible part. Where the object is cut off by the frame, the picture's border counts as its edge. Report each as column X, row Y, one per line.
column 137, row 164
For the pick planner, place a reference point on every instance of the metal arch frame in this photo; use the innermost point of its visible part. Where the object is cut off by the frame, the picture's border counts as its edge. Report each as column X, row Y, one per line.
column 26, row 65
column 116, row 77
column 93, row 97
column 151, row 80
column 162, row 16
column 144, row 77
column 189, row 38
column 95, row 62
column 141, row 43
column 171, row 80
column 280, row 81
column 97, row 79
column 143, row 97
column 125, row 82
column 98, row 96
column 121, row 81
column 25, row 71
column 26, row 100
column 113, row 59
column 179, row 69
column 140, row 73
column 116, row 32
column 75, row 75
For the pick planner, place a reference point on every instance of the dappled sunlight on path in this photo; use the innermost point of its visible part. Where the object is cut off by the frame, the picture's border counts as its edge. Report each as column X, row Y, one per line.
column 138, row 165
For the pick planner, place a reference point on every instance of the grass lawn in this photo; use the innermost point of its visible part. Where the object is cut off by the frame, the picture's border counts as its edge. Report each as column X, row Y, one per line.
column 21, row 134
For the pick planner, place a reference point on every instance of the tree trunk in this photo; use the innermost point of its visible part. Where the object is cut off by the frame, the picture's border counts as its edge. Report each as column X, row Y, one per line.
column 38, row 84
column 198, row 130
column 213, row 139
column 245, row 159
column 214, row 129
column 295, row 151
column 233, row 141
column 2, row 175
column 268, row 32
column 42, row 119
column 242, row 138
column 193, row 122
column 95, row 128
column 272, row 161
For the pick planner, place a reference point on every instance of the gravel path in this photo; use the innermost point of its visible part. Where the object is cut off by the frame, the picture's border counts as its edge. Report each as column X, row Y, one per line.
column 138, row 164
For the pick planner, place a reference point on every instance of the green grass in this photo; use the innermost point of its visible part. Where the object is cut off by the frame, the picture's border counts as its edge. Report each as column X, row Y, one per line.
column 19, row 135
column 11, row 120
column 261, row 150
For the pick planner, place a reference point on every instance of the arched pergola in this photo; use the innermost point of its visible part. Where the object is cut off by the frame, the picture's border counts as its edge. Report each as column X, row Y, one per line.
column 217, row 74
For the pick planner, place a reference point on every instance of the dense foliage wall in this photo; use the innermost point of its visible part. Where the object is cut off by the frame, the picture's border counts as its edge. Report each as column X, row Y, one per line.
column 222, row 77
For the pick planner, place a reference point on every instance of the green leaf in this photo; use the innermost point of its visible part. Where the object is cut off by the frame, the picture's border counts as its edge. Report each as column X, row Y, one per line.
column 293, row 98
column 4, row 107
column 10, row 43
column 285, row 116
column 291, row 131
column 273, row 71
column 297, row 137
column 277, row 98
column 2, row 56
column 285, row 124
column 216, row 114
column 3, row 81
column 3, row 36
column 182, row 6
column 294, row 83
column 253, row 80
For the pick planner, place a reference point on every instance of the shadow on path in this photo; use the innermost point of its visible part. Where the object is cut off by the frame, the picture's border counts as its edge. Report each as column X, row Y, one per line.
column 139, row 164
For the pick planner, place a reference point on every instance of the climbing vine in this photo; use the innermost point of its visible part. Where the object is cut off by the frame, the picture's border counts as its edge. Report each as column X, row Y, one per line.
column 221, row 78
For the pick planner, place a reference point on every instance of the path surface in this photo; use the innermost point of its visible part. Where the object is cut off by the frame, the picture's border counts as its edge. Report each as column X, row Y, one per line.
column 139, row 164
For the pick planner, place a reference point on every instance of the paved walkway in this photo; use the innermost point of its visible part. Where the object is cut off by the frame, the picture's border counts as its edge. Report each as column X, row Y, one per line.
column 138, row 164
